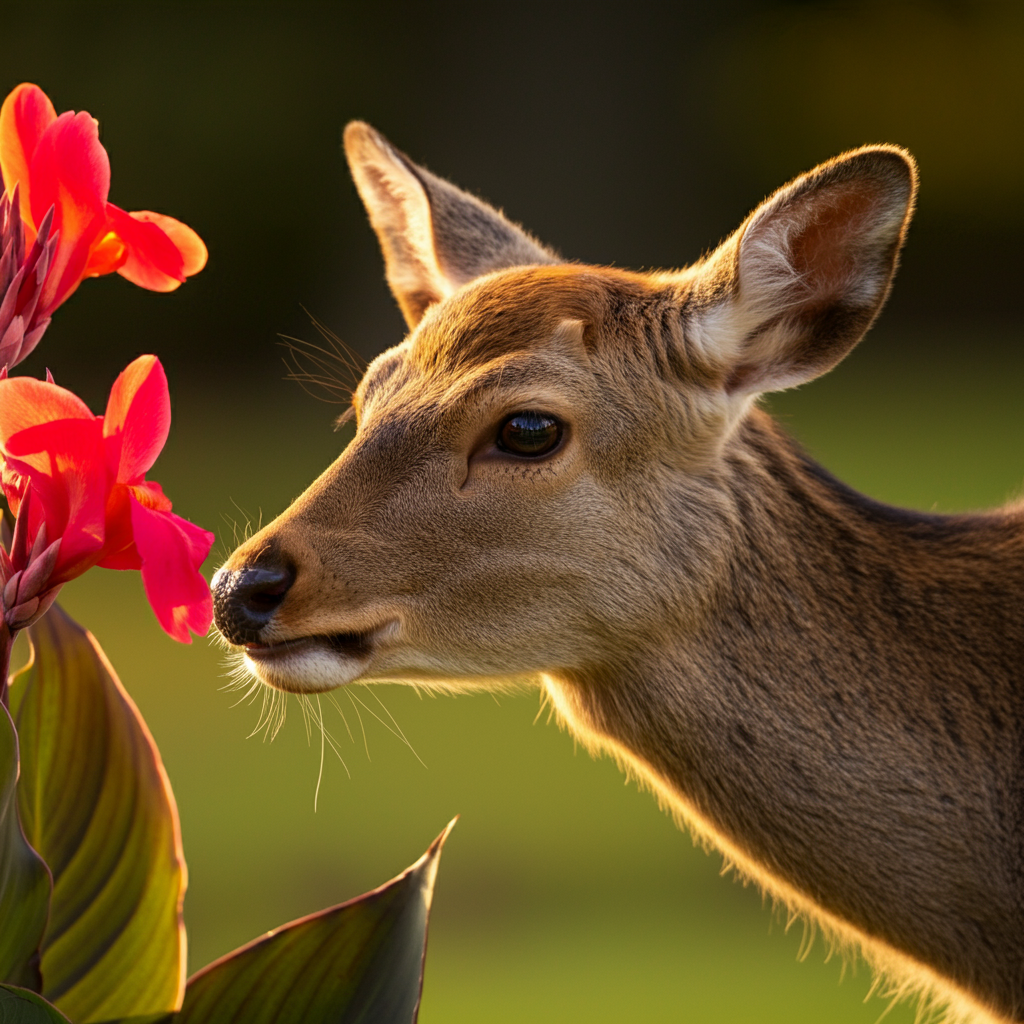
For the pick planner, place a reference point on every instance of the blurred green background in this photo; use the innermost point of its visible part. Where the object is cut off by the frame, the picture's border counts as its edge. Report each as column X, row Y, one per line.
column 639, row 135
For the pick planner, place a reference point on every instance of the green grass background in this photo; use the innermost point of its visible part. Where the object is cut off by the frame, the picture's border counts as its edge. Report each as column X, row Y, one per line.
column 564, row 893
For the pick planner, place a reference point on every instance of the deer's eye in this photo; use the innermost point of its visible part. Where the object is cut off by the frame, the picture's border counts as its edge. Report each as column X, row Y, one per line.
column 529, row 433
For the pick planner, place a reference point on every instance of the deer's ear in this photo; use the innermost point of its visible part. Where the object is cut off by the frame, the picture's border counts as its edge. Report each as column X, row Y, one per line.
column 434, row 236
column 796, row 287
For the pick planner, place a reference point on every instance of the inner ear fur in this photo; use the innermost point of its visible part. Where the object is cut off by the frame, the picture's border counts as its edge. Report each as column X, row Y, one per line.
column 797, row 286
column 434, row 236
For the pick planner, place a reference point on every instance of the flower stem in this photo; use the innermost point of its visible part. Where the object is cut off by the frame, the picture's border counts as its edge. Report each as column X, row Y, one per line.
column 6, row 646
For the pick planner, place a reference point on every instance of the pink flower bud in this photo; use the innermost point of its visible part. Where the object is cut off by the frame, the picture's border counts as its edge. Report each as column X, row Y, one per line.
column 11, row 591
column 22, row 615
column 40, row 567
column 22, row 321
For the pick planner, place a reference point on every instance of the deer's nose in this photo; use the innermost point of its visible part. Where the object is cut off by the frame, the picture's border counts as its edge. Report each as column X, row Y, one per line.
column 244, row 600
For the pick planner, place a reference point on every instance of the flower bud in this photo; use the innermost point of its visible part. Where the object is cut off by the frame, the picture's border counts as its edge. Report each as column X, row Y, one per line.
column 21, row 281
column 26, row 594
column 11, row 591
column 29, row 612
column 40, row 567
column 21, row 615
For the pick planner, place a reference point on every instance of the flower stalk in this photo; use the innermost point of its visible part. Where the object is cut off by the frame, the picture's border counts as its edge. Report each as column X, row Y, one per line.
column 25, row 573
column 22, row 323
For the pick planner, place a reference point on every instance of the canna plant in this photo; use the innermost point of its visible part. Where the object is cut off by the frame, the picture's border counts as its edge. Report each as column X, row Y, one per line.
column 92, row 872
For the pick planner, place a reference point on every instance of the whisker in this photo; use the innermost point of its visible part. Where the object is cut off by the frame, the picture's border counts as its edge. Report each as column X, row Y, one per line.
column 329, row 373
column 320, row 775
column 333, row 700
column 366, row 744
column 304, row 705
column 338, row 347
column 396, row 731
column 326, row 739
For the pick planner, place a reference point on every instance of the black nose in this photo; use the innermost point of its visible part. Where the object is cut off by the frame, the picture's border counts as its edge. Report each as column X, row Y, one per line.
column 244, row 600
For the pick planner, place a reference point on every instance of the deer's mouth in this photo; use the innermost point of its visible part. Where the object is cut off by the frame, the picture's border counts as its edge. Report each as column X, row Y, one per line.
column 311, row 664
column 348, row 645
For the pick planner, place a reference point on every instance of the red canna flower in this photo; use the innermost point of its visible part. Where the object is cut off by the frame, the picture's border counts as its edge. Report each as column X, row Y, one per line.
column 88, row 488
column 59, row 162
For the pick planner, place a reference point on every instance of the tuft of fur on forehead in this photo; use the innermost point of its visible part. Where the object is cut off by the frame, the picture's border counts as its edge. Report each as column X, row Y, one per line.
column 625, row 319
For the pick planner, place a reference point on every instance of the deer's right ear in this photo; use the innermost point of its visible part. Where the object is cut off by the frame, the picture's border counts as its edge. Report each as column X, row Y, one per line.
column 434, row 236
column 796, row 287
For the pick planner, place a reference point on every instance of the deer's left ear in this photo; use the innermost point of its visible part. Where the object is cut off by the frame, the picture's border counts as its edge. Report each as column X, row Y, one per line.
column 796, row 287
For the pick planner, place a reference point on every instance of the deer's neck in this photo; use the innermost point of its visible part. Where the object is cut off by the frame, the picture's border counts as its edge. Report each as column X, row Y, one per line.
column 847, row 721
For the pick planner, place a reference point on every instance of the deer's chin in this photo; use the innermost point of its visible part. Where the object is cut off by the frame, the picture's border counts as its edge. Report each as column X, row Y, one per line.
column 310, row 664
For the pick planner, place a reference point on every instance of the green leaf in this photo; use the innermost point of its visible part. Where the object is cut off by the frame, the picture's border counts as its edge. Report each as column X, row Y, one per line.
column 24, row 879
column 96, row 803
column 20, row 1006
column 149, row 1018
column 357, row 963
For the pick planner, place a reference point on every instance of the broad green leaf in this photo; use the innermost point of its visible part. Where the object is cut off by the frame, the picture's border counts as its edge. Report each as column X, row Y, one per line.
column 24, row 879
column 357, row 963
column 96, row 803
column 149, row 1018
column 20, row 1006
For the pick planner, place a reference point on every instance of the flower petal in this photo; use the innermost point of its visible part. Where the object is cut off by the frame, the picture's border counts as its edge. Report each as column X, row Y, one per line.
column 49, row 436
column 185, row 240
column 126, row 558
column 71, row 172
column 24, row 117
column 150, row 494
column 122, row 552
column 188, row 243
column 106, row 256
column 26, row 402
column 153, row 260
column 138, row 419
column 172, row 550
column 64, row 461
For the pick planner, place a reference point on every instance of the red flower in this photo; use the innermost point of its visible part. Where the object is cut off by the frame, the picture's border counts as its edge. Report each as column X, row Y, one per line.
column 59, row 162
column 87, row 475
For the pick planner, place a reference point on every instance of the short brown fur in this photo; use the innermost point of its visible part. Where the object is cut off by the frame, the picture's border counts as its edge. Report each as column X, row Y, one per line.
column 827, row 688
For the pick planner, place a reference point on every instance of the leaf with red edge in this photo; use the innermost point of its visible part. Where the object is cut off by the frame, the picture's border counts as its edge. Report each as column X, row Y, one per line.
column 357, row 963
column 24, row 879
column 96, row 803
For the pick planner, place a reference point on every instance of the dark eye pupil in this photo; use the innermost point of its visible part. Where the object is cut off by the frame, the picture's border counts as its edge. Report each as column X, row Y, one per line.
column 529, row 433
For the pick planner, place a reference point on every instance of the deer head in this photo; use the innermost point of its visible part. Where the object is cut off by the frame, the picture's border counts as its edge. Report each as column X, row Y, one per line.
column 534, row 483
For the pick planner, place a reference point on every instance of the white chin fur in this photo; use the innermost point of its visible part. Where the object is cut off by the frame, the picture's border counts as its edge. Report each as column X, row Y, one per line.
column 306, row 671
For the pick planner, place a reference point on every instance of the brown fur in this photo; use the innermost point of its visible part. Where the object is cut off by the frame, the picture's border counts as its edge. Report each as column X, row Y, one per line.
column 827, row 688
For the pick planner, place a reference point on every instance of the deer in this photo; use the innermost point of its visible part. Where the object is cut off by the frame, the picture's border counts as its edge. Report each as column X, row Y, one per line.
column 563, row 474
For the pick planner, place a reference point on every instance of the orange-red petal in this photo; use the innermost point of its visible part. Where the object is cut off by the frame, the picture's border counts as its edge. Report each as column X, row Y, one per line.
column 137, row 420
column 185, row 240
column 152, row 259
column 71, row 172
column 118, row 543
column 106, row 256
column 151, row 495
column 26, row 402
column 24, row 117
column 172, row 550
column 48, row 436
